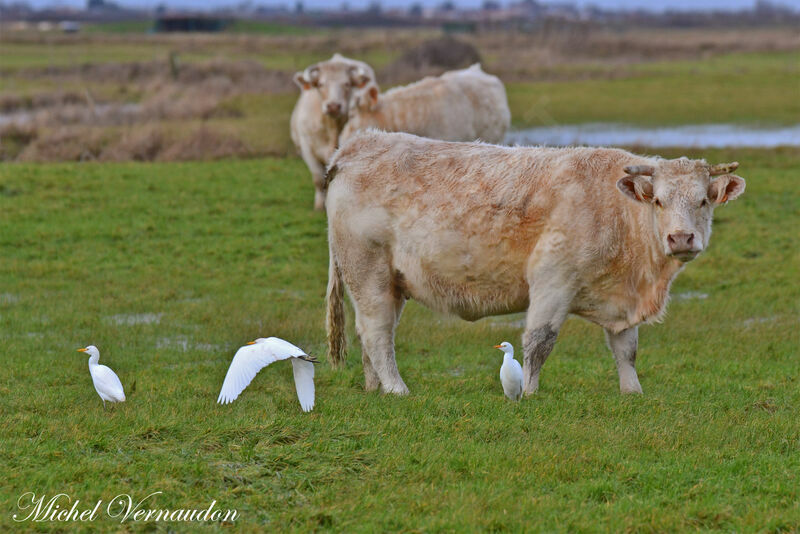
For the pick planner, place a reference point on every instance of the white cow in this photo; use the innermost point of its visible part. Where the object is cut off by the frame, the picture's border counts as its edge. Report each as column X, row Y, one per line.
column 475, row 230
column 460, row 105
column 321, row 112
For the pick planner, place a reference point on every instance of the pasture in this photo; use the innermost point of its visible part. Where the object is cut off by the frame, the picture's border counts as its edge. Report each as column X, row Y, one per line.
column 169, row 267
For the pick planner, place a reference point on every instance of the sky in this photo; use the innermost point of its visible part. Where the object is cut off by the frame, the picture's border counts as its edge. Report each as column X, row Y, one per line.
column 655, row 5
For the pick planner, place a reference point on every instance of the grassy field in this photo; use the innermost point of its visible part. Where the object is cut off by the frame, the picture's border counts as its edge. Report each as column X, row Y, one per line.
column 169, row 267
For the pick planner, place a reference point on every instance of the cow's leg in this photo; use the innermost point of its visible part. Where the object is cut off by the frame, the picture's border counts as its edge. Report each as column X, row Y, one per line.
column 319, row 189
column 624, row 346
column 551, row 293
column 317, row 169
column 367, row 271
column 376, row 318
column 371, row 379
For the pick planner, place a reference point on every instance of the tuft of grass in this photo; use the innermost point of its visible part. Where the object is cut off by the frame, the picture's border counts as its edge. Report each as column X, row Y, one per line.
column 169, row 267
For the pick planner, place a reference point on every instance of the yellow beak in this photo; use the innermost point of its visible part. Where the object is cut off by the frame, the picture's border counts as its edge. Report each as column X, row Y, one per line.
column 498, row 347
column 81, row 350
column 250, row 343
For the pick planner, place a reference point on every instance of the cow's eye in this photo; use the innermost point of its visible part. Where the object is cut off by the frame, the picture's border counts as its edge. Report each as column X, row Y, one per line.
column 658, row 203
column 704, row 203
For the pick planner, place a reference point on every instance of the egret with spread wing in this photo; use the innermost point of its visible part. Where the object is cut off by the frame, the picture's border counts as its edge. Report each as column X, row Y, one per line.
column 256, row 355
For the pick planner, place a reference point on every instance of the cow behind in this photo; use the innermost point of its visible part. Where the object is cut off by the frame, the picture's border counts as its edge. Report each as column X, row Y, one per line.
column 460, row 105
column 327, row 89
column 476, row 230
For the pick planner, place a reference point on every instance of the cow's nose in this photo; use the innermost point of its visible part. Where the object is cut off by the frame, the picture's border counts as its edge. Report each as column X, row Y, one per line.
column 333, row 108
column 681, row 242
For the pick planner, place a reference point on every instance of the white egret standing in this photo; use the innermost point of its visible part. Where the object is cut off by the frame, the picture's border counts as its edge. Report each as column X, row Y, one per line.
column 256, row 355
column 106, row 381
column 510, row 372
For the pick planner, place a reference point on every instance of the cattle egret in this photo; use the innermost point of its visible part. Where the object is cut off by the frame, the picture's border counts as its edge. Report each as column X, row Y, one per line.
column 510, row 372
column 106, row 382
column 256, row 355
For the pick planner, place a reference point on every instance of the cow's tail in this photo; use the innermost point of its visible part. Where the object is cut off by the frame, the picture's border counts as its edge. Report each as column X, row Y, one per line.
column 337, row 340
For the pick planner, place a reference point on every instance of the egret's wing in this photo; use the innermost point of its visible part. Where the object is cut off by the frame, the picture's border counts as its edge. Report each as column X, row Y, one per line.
column 246, row 364
column 107, row 381
column 282, row 348
column 304, row 383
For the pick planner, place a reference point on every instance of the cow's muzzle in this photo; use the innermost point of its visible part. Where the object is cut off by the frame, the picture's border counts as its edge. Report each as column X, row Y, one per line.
column 683, row 246
column 334, row 109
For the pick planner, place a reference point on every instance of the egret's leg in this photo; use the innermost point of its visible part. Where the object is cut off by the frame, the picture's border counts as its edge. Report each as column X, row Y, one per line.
column 624, row 345
column 104, row 404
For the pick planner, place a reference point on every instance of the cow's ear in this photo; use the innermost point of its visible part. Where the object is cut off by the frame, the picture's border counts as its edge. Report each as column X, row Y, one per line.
column 724, row 188
column 301, row 81
column 638, row 188
column 371, row 97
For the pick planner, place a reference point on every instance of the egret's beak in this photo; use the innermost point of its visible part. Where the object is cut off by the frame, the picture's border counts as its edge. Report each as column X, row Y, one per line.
column 250, row 343
column 498, row 347
column 81, row 350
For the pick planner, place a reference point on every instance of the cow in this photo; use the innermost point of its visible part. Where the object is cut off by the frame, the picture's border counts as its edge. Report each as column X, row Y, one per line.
column 475, row 230
column 460, row 105
column 326, row 91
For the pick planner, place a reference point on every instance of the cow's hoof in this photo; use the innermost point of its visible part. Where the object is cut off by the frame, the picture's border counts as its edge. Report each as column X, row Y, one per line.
column 631, row 389
column 397, row 390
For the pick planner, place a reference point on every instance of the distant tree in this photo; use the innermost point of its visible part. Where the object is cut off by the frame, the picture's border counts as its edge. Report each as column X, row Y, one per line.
column 415, row 10
column 374, row 7
column 298, row 8
column 95, row 4
column 447, row 5
column 491, row 5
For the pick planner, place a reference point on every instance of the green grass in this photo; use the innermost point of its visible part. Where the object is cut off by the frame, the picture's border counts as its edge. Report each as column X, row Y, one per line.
column 120, row 27
column 744, row 88
column 228, row 251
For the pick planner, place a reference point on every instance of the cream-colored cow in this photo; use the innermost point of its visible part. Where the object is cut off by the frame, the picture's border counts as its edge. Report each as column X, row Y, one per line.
column 321, row 112
column 475, row 230
column 460, row 105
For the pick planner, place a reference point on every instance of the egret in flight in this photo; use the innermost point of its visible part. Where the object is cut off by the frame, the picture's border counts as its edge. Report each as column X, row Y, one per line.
column 256, row 355
column 106, row 382
column 510, row 372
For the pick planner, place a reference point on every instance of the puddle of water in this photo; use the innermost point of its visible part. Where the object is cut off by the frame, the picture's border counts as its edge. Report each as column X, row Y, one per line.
column 130, row 319
column 99, row 111
column 695, row 136
column 760, row 320
column 8, row 298
column 183, row 343
column 691, row 295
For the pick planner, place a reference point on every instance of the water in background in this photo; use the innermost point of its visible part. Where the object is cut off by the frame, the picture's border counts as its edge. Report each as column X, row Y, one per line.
column 697, row 136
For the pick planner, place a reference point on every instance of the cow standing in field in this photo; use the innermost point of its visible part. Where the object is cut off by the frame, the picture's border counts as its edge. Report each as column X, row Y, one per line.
column 321, row 112
column 476, row 230
column 460, row 105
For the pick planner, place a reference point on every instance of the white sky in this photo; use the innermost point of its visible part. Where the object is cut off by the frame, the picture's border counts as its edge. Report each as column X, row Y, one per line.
column 655, row 5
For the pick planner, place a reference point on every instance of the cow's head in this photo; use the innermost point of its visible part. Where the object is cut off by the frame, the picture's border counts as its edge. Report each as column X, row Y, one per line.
column 337, row 80
column 366, row 99
column 682, row 195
